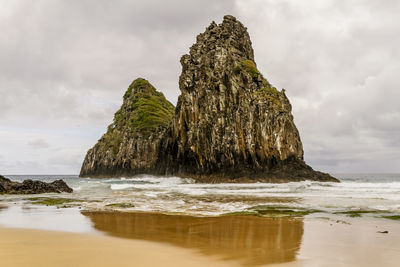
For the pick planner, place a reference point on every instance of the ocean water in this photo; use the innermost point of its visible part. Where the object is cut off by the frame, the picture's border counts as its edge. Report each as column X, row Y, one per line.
column 372, row 192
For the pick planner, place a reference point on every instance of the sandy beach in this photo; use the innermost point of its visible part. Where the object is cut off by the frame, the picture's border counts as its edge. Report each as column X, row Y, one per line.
column 152, row 239
column 22, row 247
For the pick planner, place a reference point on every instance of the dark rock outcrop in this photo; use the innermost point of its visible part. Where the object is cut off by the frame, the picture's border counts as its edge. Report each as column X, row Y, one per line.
column 32, row 187
column 230, row 123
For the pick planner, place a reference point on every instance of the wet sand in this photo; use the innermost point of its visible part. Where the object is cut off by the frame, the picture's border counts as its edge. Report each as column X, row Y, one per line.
column 151, row 239
column 249, row 240
column 34, row 248
column 349, row 242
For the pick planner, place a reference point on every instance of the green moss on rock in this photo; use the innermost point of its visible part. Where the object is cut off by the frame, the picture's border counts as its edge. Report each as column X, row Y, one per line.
column 137, row 85
column 143, row 111
column 250, row 67
column 151, row 112
column 271, row 94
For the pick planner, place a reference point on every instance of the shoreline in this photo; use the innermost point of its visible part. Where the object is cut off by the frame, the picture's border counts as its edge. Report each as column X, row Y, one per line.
column 372, row 194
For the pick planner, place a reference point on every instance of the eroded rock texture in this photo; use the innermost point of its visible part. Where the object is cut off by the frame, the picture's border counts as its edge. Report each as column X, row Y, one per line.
column 230, row 123
column 131, row 144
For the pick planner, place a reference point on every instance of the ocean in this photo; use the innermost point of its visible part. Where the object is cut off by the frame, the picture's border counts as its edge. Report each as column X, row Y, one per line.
column 374, row 193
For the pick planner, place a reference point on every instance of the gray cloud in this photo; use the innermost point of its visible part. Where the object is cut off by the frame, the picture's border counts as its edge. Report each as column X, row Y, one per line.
column 38, row 144
column 64, row 66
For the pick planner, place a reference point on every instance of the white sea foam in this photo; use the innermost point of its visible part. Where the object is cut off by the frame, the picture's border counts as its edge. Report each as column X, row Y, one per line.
column 173, row 194
column 306, row 189
column 121, row 186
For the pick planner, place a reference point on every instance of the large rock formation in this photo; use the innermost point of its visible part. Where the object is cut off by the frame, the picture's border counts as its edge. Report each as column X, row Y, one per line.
column 230, row 123
column 32, row 187
column 131, row 144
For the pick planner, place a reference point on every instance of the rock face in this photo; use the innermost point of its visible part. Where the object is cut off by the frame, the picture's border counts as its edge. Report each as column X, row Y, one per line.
column 230, row 123
column 131, row 144
column 32, row 187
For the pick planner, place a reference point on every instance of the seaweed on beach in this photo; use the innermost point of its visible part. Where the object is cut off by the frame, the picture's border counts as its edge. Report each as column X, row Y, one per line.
column 242, row 213
column 53, row 201
column 274, row 211
column 357, row 213
column 392, row 217
column 121, row 205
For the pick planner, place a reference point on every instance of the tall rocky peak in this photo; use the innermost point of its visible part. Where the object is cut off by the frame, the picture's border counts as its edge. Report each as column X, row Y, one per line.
column 230, row 123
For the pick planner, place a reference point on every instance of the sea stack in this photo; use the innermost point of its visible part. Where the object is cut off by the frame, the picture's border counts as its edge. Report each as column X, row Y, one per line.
column 132, row 142
column 230, row 124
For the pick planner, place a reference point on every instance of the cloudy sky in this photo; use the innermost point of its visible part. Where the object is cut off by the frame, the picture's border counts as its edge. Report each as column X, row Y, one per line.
column 65, row 65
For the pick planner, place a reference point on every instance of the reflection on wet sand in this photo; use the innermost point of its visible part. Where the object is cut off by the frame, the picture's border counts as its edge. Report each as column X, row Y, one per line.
column 251, row 240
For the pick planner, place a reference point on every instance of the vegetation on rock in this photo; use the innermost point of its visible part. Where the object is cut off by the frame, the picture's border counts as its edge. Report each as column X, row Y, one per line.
column 250, row 67
column 144, row 109
column 271, row 94
column 131, row 140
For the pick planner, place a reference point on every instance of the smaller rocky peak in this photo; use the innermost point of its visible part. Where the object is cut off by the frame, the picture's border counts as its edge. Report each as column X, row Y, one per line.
column 131, row 142
column 144, row 108
column 138, row 88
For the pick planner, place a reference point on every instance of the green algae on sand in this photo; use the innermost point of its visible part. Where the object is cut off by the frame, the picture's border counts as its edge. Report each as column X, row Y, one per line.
column 273, row 211
column 121, row 205
column 52, row 201
column 392, row 217
column 357, row 213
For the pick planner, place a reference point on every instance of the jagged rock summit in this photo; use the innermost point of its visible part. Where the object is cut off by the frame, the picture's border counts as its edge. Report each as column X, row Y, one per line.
column 230, row 124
